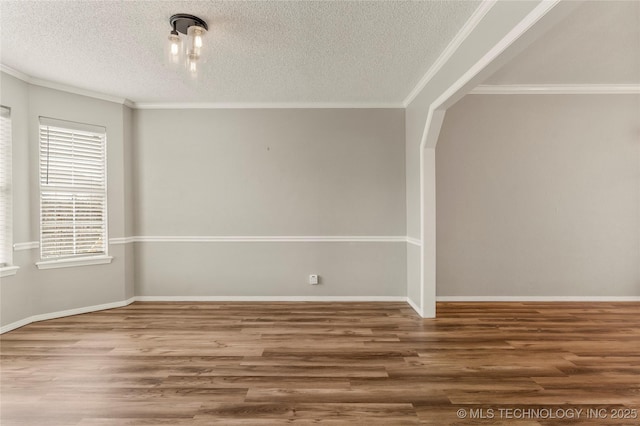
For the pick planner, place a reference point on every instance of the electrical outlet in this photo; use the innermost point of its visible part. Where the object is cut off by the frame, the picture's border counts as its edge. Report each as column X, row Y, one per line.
column 313, row 279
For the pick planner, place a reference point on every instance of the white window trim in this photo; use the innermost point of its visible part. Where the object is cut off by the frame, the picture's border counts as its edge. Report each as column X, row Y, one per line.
column 74, row 261
column 8, row 268
column 98, row 259
column 7, row 271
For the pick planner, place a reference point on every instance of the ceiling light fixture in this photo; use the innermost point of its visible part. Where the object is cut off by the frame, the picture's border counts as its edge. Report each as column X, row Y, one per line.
column 194, row 29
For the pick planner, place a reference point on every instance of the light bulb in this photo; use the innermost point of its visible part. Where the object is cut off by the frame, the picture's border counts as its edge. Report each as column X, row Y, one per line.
column 192, row 64
column 174, row 47
column 194, row 40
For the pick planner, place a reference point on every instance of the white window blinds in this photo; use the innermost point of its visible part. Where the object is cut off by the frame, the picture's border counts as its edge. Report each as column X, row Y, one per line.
column 6, row 227
column 73, row 191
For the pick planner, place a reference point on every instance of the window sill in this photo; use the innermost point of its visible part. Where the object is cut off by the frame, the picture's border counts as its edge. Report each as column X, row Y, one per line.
column 7, row 271
column 74, row 261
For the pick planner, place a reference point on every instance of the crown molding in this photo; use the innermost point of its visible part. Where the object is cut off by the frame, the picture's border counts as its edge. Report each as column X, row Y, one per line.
column 451, row 48
column 15, row 73
column 64, row 88
column 557, row 89
column 267, row 105
column 196, row 105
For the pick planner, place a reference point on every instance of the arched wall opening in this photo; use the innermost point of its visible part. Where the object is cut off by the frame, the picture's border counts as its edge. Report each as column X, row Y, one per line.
column 535, row 23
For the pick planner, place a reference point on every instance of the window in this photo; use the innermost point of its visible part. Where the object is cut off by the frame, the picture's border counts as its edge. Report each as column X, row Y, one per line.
column 73, row 191
column 6, row 225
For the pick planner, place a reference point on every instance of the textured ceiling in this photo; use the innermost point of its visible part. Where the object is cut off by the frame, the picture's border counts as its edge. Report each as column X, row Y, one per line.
column 597, row 44
column 264, row 51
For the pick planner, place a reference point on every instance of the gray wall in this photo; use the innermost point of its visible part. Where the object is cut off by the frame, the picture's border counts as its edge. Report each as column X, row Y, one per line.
column 539, row 195
column 270, row 269
column 277, row 172
column 218, row 173
column 16, row 301
column 32, row 291
column 503, row 17
column 129, row 200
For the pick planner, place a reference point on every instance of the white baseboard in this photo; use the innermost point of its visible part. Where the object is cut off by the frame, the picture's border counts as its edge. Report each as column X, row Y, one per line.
column 270, row 298
column 94, row 308
column 414, row 306
column 538, row 299
column 66, row 313
column 15, row 325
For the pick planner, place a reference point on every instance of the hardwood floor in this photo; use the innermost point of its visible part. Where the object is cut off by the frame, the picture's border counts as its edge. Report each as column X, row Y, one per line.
column 329, row 363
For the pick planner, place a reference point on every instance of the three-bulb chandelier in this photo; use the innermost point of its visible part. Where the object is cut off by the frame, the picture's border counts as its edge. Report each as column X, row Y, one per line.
column 194, row 29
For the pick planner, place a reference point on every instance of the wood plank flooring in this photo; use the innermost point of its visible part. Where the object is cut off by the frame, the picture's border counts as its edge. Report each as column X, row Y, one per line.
column 328, row 363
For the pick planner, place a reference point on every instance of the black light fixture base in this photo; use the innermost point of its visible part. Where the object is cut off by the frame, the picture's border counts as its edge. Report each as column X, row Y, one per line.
column 182, row 21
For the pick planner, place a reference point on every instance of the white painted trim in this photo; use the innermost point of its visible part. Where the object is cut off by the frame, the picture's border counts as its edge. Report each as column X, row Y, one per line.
column 26, row 246
column 557, row 89
column 266, row 105
column 538, row 298
column 516, row 32
column 270, row 298
column 414, row 241
column 451, row 48
column 14, row 325
column 66, row 313
column 122, row 240
column 74, row 261
column 63, row 87
column 112, row 305
column 414, row 306
column 246, row 239
column 35, row 244
column 195, row 105
column 511, row 37
column 15, row 73
column 7, row 271
column 271, row 239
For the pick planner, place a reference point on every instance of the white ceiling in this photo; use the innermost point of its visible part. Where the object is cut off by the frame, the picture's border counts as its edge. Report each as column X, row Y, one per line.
column 262, row 51
column 597, row 44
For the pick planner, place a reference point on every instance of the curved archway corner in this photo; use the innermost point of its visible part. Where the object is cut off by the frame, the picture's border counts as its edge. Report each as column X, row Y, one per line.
column 524, row 31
